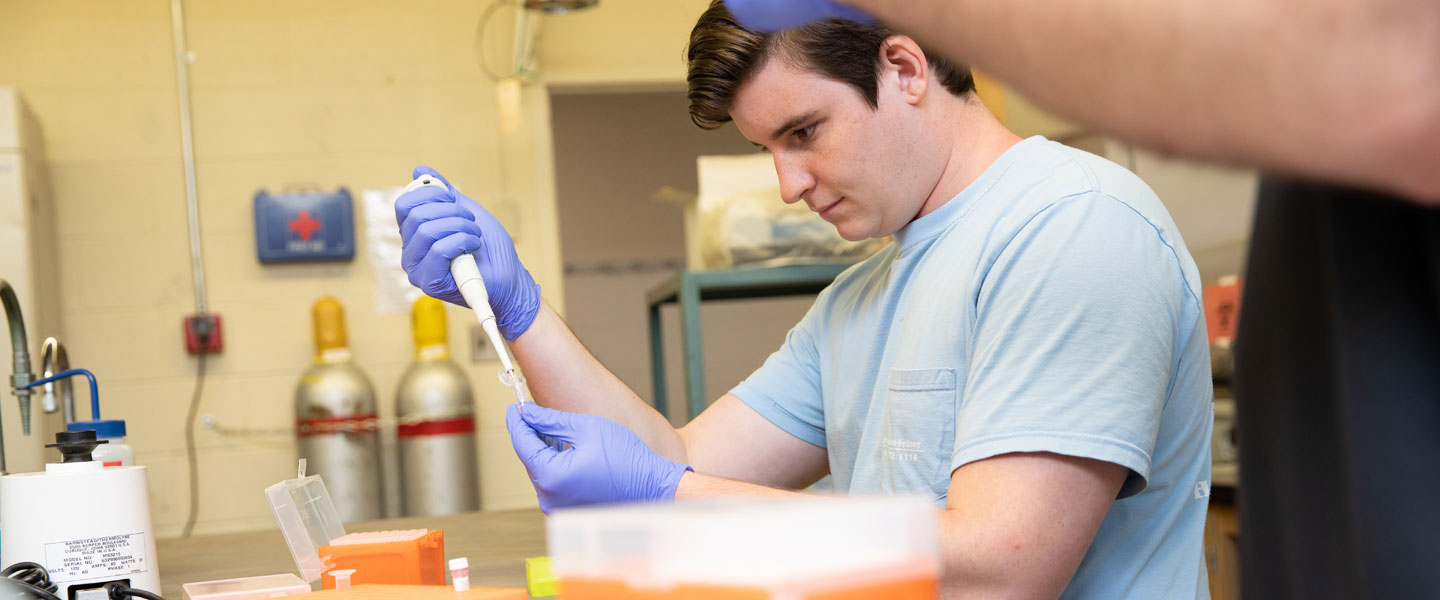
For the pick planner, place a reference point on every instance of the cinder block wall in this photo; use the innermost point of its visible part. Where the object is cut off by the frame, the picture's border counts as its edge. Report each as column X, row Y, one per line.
column 323, row 93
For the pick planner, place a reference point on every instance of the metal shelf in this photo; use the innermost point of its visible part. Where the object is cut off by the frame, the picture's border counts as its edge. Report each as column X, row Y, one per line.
column 689, row 288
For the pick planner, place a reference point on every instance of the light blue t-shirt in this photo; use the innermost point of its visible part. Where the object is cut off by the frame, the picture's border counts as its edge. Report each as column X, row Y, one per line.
column 1050, row 306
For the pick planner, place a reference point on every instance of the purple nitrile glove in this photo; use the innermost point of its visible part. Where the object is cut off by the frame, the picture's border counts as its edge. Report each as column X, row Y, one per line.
column 438, row 225
column 774, row 15
column 605, row 463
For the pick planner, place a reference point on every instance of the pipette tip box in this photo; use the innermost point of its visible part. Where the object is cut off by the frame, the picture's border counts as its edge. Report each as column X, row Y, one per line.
column 406, row 557
column 318, row 542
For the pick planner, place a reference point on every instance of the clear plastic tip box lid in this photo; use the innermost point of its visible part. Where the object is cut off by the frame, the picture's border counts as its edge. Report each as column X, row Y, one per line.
column 308, row 520
column 763, row 543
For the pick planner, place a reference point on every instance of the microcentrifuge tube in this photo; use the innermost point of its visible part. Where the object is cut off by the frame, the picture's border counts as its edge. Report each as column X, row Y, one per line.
column 342, row 579
column 516, row 382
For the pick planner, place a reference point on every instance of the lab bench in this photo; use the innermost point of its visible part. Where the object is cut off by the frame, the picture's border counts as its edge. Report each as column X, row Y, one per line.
column 496, row 544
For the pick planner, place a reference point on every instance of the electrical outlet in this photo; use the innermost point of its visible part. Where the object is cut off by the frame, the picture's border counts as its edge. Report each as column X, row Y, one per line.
column 481, row 350
column 203, row 333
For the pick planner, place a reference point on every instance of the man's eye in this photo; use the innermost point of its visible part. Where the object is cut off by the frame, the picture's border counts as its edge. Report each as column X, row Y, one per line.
column 803, row 134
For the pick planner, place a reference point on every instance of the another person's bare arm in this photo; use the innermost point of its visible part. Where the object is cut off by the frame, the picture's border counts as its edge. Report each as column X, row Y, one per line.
column 1340, row 90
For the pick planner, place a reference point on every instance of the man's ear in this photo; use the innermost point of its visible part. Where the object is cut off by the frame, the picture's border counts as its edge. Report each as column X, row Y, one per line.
column 903, row 65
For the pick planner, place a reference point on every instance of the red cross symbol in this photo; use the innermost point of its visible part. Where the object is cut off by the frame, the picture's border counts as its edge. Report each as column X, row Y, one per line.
column 305, row 225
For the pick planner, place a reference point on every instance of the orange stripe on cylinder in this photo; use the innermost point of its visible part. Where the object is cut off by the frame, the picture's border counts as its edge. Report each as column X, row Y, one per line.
column 325, row 426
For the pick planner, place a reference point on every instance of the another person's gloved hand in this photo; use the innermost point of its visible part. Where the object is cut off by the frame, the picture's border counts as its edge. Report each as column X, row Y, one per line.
column 438, row 225
column 774, row 15
column 605, row 463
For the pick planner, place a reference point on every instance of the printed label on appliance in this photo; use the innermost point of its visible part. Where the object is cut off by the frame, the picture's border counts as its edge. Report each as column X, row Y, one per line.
column 96, row 557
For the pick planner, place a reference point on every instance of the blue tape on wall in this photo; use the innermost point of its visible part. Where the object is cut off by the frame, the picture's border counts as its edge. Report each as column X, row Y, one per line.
column 304, row 226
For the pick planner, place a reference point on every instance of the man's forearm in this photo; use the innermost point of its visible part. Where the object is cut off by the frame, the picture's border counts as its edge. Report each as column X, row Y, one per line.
column 695, row 485
column 563, row 375
column 1331, row 89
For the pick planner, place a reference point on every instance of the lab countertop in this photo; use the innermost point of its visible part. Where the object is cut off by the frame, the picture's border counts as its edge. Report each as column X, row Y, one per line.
column 496, row 543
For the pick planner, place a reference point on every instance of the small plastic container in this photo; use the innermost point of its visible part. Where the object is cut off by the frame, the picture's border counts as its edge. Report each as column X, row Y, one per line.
column 792, row 549
column 246, row 588
column 460, row 573
column 539, row 578
column 114, row 452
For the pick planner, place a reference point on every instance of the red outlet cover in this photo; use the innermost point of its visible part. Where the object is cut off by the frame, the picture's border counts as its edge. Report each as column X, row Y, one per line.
column 193, row 324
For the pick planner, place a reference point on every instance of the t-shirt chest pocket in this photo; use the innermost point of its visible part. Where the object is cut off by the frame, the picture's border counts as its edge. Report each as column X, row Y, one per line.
column 918, row 430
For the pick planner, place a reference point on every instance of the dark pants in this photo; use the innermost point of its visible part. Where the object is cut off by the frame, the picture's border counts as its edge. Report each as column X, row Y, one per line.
column 1338, row 397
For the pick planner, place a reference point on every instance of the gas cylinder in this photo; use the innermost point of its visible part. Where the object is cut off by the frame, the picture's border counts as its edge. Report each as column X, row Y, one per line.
column 436, row 414
column 336, row 421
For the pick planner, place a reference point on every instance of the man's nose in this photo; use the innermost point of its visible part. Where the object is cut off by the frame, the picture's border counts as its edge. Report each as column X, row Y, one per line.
column 795, row 179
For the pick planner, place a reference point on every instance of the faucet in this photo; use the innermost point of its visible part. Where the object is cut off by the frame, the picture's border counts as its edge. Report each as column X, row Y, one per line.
column 54, row 359
column 21, row 377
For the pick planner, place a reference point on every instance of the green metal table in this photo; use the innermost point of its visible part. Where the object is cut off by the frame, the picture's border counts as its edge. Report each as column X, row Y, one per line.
column 689, row 288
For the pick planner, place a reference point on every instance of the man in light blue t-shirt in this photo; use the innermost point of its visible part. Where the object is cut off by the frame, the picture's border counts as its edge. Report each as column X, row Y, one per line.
column 1029, row 353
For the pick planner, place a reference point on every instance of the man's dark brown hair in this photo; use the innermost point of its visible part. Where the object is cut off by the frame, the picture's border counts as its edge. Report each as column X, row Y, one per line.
column 723, row 54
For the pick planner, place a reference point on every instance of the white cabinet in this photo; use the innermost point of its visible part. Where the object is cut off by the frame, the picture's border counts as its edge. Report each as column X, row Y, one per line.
column 29, row 262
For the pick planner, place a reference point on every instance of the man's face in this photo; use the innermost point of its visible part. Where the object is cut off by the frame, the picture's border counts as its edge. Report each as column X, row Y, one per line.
column 863, row 169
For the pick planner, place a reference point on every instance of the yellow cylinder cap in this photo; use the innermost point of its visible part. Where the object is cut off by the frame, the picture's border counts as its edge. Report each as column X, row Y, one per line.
column 427, row 320
column 329, row 316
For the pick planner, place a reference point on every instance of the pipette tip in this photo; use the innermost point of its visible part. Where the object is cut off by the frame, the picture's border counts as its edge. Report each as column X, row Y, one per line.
column 514, row 381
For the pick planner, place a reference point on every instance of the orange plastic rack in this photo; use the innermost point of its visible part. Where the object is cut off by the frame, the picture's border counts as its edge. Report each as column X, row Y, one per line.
column 409, row 557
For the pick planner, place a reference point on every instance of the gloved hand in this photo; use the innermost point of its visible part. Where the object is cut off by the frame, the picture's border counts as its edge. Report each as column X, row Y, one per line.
column 774, row 15
column 438, row 225
column 605, row 463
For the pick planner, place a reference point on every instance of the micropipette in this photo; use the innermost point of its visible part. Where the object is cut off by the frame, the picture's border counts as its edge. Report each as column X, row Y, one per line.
column 472, row 288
